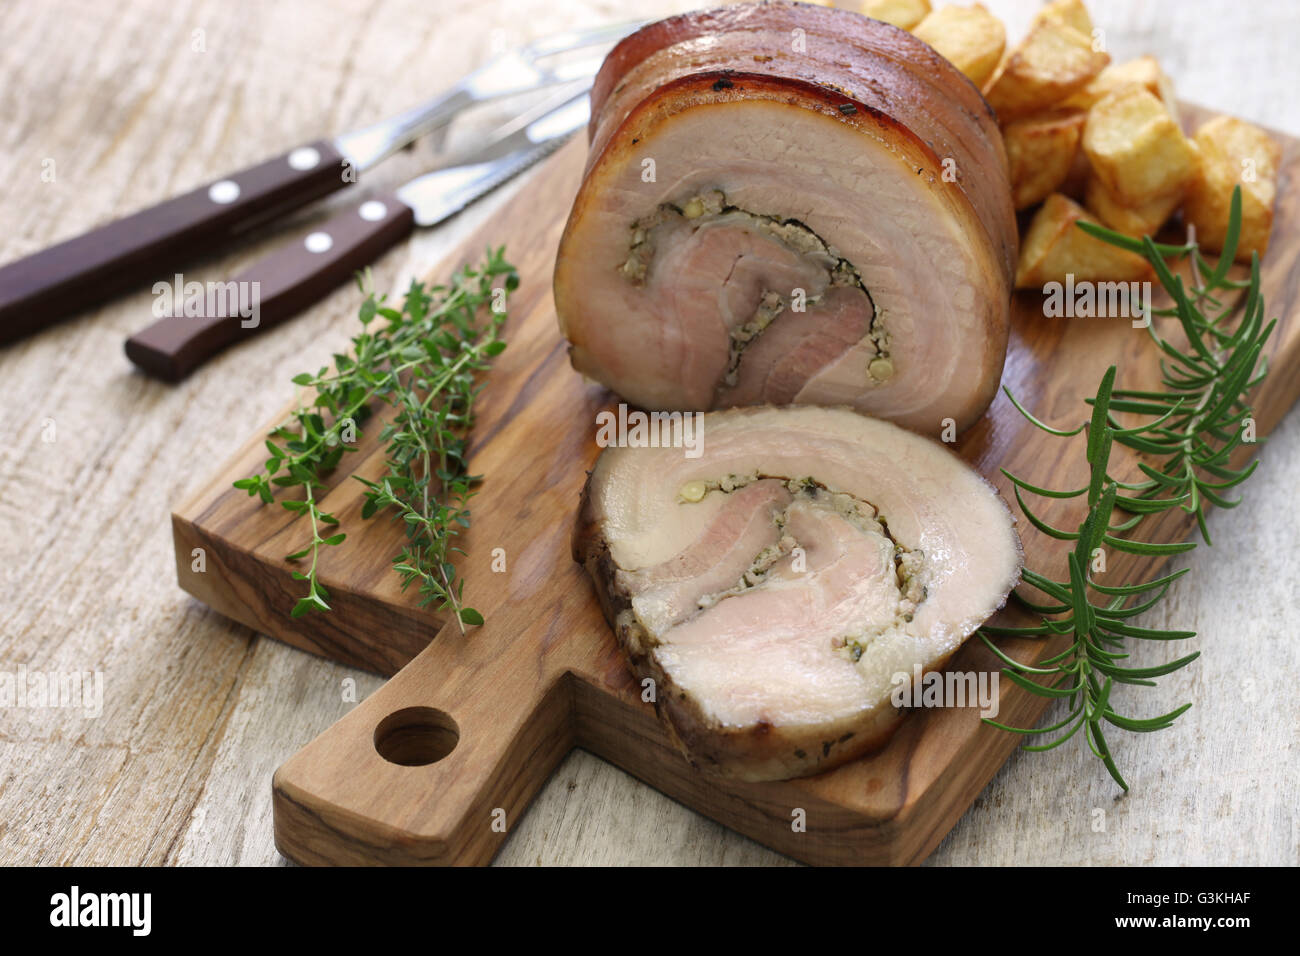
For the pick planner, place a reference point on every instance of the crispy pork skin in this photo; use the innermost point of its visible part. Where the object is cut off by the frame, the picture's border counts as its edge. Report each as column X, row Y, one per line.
column 786, row 203
column 773, row 586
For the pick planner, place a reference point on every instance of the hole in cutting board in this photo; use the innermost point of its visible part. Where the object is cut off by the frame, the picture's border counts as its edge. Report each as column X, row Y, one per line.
column 416, row 736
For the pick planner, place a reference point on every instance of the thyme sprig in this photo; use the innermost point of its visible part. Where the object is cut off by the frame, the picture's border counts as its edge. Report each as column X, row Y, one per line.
column 1188, row 433
column 420, row 360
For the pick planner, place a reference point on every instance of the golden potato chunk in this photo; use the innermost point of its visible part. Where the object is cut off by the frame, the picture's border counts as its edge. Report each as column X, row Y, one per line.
column 1072, row 12
column 1141, row 220
column 901, row 13
column 1145, row 71
column 1041, row 151
column 970, row 38
column 1233, row 151
column 1076, row 180
column 1135, row 147
column 1052, row 62
column 1054, row 247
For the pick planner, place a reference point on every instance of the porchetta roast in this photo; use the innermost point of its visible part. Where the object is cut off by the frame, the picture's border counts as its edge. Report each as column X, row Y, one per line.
column 775, row 584
column 785, row 203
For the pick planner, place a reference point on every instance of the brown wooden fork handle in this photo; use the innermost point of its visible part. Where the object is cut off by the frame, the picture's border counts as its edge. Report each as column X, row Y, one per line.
column 54, row 283
column 280, row 285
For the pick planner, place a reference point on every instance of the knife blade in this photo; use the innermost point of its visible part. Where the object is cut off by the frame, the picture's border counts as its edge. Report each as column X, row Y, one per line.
column 304, row 270
column 52, row 284
column 438, row 195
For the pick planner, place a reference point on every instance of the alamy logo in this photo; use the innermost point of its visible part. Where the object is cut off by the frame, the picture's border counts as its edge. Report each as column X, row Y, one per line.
column 1102, row 300
column 637, row 429
column 197, row 300
column 946, row 689
column 74, row 908
column 56, row 689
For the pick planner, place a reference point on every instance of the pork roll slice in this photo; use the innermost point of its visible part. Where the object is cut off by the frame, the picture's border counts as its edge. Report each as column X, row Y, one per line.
column 786, row 203
column 773, row 586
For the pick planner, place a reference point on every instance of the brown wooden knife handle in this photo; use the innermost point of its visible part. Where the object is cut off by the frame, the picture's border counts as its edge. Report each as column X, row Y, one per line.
column 271, row 290
column 439, row 764
column 56, row 282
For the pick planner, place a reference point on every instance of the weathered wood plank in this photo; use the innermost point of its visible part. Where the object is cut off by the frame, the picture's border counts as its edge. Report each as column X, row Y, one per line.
column 190, row 730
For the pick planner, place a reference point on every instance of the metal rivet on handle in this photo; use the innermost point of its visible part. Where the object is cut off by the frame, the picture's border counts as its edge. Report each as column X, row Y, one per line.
column 226, row 191
column 304, row 157
column 373, row 210
column 318, row 242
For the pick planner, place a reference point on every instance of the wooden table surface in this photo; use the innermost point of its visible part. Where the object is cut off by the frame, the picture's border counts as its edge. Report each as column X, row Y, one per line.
column 126, row 104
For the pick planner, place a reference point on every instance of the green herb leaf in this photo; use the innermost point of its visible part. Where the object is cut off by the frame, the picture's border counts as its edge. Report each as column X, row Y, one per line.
column 422, row 364
column 1191, row 429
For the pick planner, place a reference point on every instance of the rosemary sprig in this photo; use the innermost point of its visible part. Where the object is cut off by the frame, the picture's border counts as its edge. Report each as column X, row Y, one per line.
column 1190, row 429
column 421, row 360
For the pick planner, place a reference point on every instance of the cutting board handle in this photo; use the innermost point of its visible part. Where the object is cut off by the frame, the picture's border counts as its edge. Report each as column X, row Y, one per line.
column 433, row 768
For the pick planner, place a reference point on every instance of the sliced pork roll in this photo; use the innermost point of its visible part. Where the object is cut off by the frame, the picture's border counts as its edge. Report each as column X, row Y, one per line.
column 773, row 586
column 785, row 203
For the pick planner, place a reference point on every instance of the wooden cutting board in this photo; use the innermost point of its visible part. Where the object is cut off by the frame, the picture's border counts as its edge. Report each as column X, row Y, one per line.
column 444, row 759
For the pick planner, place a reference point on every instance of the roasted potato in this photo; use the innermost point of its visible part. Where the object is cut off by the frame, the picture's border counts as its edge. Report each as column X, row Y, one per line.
column 1041, row 151
column 901, row 13
column 1071, row 12
column 1141, row 220
column 970, row 38
column 1135, row 147
column 1145, row 71
column 1233, row 151
column 1053, row 246
column 1076, row 181
column 1053, row 62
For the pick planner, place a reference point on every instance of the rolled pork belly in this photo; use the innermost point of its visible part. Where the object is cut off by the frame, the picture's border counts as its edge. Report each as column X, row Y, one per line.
column 775, row 585
column 790, row 204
